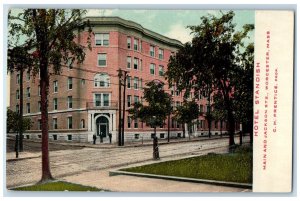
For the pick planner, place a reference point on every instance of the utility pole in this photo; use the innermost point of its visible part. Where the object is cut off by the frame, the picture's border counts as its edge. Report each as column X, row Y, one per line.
column 119, row 130
column 122, row 82
column 124, row 92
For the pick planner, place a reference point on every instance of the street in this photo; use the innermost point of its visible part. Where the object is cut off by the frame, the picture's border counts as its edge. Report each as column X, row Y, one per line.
column 68, row 161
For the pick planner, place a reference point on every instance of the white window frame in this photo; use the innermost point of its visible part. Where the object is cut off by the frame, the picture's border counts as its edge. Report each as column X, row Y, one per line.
column 136, row 83
column 152, row 65
column 102, row 37
column 129, row 61
column 152, row 50
column 101, row 78
column 28, row 108
column 161, row 70
column 135, row 63
column 70, row 102
column 68, row 122
column 18, row 94
column 55, row 86
column 28, row 92
column 160, row 54
column 136, row 44
column 129, row 42
column 54, row 122
column 55, row 103
column 98, row 59
column 101, row 101
column 70, row 83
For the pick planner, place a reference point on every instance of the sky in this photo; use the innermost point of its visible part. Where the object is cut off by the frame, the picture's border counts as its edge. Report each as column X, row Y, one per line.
column 172, row 23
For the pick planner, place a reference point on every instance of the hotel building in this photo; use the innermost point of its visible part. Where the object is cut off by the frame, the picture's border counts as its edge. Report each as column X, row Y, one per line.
column 83, row 99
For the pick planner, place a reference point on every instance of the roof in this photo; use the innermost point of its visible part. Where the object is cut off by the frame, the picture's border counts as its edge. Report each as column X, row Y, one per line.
column 135, row 26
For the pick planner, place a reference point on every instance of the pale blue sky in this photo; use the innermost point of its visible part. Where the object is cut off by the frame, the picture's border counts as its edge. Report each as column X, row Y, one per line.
column 172, row 23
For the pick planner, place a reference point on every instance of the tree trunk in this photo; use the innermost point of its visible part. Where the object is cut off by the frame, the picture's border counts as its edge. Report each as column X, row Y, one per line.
column 231, row 129
column 21, row 112
column 44, row 83
column 169, row 128
column 221, row 127
column 183, row 130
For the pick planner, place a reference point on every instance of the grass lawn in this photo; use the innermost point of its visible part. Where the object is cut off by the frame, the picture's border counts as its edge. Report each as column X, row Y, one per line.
column 57, row 186
column 232, row 167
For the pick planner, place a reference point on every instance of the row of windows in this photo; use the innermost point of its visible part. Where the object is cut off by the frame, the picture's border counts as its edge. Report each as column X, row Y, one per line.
column 55, row 123
column 102, row 39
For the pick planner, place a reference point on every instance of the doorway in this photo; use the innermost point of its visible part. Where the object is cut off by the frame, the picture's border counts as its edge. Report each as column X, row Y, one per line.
column 102, row 125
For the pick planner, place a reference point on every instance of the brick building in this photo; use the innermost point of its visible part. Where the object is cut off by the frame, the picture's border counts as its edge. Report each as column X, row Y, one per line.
column 83, row 99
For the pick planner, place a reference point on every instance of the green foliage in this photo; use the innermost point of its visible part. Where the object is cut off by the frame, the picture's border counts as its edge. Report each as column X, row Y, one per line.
column 236, row 167
column 187, row 112
column 57, row 186
column 13, row 122
column 214, row 62
column 50, row 33
column 158, row 105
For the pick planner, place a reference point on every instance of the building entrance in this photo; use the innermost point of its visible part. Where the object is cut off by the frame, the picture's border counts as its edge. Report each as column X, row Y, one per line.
column 102, row 124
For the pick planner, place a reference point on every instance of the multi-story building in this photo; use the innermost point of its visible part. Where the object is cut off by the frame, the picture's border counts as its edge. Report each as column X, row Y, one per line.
column 83, row 99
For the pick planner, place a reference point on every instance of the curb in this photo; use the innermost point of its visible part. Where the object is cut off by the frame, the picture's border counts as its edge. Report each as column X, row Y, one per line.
column 182, row 179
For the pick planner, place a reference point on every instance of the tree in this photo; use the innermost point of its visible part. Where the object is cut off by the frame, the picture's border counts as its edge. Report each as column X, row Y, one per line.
column 19, row 60
column 219, row 113
column 213, row 59
column 186, row 113
column 53, row 36
column 13, row 122
column 157, row 108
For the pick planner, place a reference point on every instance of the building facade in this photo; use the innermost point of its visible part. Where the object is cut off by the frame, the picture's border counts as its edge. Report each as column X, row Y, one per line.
column 83, row 99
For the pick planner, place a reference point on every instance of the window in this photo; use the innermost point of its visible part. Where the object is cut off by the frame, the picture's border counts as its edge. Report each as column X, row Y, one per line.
column 18, row 94
column 28, row 107
column 28, row 75
column 161, row 54
column 162, row 135
column 55, row 104
column 39, row 124
column 201, row 123
column 128, row 62
column 39, row 90
column 70, row 138
column 161, row 71
column 141, row 84
column 135, row 83
column 128, row 82
column 105, row 99
column 70, row 83
column 173, row 123
column 177, row 93
column 54, row 137
column 69, row 63
column 177, row 103
column 39, row 106
column 152, row 135
column 70, row 105
column 152, row 69
column 136, row 99
column 28, row 92
column 136, row 63
column 141, row 46
column 55, row 86
column 54, row 123
column 17, row 109
column 129, row 42
column 152, row 53
column 102, row 59
column 128, row 122
column 136, row 124
column 102, row 39
column 128, row 100
column 82, row 81
column 69, row 122
column 18, row 78
column 101, row 80
column 102, row 99
column 136, row 136
column 82, row 123
column 97, row 99
column 39, row 136
column 27, row 137
column 141, row 65
column 135, row 44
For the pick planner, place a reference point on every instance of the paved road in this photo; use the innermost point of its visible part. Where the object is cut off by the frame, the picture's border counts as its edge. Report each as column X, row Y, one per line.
column 75, row 161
